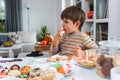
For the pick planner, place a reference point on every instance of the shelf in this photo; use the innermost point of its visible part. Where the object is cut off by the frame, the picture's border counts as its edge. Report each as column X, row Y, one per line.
column 101, row 20
column 89, row 20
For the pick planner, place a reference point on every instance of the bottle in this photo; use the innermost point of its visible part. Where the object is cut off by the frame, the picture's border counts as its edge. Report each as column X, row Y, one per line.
column 91, row 32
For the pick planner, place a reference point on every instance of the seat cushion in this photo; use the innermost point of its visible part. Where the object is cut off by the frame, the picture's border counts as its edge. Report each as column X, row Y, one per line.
column 28, row 37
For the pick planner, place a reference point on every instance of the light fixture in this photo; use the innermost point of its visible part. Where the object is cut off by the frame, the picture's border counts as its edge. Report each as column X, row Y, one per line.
column 28, row 17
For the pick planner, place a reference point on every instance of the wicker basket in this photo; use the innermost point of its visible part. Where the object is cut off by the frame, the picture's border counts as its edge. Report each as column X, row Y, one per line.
column 42, row 48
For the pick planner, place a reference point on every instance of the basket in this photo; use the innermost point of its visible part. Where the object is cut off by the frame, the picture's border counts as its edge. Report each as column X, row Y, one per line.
column 42, row 48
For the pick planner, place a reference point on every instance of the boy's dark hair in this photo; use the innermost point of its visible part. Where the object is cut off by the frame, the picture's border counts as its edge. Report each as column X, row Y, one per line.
column 74, row 13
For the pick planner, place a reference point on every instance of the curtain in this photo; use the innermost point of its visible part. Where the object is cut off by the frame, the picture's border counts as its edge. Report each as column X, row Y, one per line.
column 13, row 21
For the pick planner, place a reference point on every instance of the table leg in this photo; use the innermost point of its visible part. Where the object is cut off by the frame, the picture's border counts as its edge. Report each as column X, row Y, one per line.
column 11, row 53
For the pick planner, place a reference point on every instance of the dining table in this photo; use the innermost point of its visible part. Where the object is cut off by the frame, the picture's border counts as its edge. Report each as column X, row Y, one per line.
column 78, row 72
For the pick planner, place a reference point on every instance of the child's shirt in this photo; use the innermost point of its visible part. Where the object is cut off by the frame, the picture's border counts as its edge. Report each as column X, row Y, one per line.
column 70, row 41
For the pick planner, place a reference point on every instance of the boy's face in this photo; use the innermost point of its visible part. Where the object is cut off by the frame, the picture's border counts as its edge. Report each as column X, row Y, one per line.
column 69, row 26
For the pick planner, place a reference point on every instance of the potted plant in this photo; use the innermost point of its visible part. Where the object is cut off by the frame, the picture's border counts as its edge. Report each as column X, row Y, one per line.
column 43, row 33
column 44, row 37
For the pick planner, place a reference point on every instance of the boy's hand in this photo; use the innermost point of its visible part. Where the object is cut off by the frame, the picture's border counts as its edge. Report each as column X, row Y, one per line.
column 59, row 33
column 58, row 37
column 79, row 52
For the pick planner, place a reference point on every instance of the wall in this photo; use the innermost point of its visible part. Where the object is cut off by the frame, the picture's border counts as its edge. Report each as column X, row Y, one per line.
column 41, row 12
column 114, row 20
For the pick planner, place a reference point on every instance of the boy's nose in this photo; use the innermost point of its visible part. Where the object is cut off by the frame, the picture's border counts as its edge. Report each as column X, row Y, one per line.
column 63, row 26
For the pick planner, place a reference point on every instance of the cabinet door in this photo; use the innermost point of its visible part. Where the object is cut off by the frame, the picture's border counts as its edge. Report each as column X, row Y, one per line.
column 101, row 31
column 101, row 9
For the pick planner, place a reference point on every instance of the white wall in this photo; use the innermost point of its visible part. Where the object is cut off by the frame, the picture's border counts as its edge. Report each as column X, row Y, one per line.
column 114, row 25
column 41, row 12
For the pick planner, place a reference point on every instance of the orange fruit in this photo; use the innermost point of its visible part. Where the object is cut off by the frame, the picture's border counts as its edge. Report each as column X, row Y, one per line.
column 43, row 42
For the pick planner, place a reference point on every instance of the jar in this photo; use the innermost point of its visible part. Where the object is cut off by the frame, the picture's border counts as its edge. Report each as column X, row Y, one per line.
column 106, row 51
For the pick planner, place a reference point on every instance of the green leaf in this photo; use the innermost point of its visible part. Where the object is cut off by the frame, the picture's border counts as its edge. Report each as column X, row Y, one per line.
column 42, row 35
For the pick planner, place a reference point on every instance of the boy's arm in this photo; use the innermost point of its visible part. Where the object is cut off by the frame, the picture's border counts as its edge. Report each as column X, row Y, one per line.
column 89, row 48
column 58, row 37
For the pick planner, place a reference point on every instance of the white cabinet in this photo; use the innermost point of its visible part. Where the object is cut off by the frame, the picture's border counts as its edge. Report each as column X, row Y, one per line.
column 106, row 18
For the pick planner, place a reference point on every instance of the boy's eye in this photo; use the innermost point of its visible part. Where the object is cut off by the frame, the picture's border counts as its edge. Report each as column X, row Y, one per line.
column 66, row 21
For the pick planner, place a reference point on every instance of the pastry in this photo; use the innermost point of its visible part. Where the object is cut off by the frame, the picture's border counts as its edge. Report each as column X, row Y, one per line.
column 86, row 63
column 23, row 76
column 36, row 78
column 104, row 65
column 15, row 67
column 14, row 73
column 25, row 70
column 51, row 60
column 3, row 71
column 35, row 72
column 47, row 75
column 116, row 61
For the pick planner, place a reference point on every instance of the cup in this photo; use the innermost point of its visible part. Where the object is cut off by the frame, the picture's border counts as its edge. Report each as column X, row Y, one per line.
column 115, row 73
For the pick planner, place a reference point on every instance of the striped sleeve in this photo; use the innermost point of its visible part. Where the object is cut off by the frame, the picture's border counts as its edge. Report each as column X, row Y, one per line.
column 91, row 45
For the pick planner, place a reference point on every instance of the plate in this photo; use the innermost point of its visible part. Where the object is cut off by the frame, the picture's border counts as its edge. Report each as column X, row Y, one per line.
column 84, row 66
column 89, row 64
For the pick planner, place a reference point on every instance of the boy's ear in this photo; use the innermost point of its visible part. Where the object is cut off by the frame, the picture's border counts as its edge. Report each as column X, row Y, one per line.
column 78, row 23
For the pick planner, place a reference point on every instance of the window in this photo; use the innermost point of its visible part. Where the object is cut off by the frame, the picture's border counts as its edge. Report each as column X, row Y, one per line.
column 2, row 15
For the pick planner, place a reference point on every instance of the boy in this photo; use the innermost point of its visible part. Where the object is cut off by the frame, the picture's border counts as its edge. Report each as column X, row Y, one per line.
column 72, row 41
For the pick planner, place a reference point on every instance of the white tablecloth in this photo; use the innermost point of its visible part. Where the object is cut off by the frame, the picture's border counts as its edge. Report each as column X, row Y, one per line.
column 78, row 73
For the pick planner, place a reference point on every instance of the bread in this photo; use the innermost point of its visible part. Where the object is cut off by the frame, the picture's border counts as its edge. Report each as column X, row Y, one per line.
column 47, row 75
column 51, row 60
column 116, row 61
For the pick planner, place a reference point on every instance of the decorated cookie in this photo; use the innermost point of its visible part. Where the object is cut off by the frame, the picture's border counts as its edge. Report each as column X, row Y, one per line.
column 25, row 70
column 14, row 73
column 15, row 67
column 3, row 71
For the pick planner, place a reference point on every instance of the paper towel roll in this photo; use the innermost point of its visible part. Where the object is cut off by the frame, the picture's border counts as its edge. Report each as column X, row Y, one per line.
column 115, row 73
